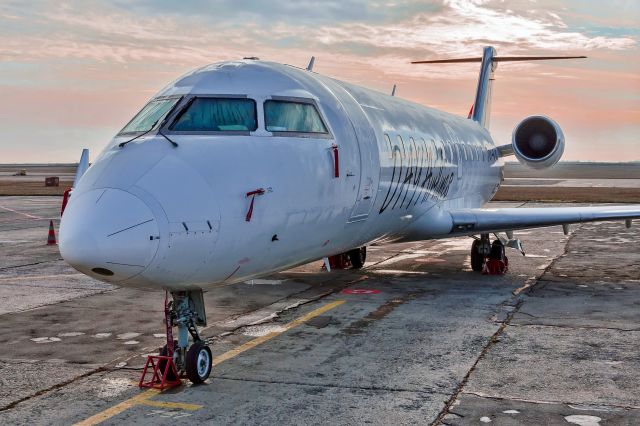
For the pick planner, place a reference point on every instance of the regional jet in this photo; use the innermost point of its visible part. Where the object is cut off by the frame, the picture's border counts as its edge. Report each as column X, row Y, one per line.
column 244, row 168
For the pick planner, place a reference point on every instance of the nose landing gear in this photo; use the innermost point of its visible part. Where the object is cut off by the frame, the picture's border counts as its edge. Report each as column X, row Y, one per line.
column 177, row 358
column 186, row 312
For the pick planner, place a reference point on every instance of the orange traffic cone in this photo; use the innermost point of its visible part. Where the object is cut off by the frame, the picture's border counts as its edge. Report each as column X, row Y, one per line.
column 51, row 240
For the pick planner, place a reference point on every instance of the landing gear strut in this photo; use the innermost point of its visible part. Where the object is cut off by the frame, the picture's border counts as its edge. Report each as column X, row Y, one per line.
column 178, row 359
column 186, row 312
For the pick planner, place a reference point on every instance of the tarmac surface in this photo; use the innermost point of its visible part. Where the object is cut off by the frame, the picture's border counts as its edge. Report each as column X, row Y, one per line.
column 422, row 340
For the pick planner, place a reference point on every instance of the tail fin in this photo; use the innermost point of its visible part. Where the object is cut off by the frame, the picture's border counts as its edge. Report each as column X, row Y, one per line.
column 481, row 108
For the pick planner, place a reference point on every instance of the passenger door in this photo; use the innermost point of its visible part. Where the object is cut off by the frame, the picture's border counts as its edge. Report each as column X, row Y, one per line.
column 368, row 148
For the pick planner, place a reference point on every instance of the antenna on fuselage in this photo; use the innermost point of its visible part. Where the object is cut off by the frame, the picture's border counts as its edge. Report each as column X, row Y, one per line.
column 311, row 62
column 393, row 91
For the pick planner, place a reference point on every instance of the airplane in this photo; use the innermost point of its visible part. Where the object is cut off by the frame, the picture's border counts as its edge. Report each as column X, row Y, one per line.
column 244, row 168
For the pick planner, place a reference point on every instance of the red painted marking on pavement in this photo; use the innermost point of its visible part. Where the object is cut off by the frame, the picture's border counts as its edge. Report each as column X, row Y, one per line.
column 23, row 214
column 360, row 291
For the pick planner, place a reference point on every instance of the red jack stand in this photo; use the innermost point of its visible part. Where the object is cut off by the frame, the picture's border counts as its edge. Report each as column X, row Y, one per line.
column 164, row 374
column 159, row 379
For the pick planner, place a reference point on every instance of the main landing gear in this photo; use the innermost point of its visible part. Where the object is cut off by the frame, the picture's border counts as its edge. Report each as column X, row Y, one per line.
column 354, row 258
column 487, row 257
column 178, row 358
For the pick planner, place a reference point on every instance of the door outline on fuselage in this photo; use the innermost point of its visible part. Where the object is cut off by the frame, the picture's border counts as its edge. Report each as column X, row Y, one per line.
column 367, row 149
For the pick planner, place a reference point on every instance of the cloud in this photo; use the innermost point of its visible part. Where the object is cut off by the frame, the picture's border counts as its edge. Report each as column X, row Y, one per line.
column 101, row 62
column 459, row 27
column 456, row 28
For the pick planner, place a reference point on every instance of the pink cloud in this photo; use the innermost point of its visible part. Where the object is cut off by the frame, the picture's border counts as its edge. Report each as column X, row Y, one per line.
column 95, row 67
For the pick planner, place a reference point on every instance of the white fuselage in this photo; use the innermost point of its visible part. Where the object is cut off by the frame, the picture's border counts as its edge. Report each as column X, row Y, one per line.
column 159, row 216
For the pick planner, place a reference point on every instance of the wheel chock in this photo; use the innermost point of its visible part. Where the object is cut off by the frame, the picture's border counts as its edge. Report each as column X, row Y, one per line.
column 495, row 267
column 159, row 374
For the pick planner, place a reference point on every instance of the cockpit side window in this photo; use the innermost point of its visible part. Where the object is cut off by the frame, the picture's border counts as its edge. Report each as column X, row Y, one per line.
column 151, row 114
column 217, row 115
column 290, row 116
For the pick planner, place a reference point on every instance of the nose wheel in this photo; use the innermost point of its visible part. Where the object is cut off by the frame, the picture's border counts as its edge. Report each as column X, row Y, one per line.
column 198, row 362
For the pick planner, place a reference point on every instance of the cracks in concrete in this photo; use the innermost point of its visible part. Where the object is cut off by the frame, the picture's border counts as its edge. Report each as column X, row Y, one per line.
column 494, row 338
column 50, row 389
column 358, row 327
column 527, row 288
column 105, row 368
column 550, row 402
column 5, row 268
column 577, row 327
column 95, row 293
column 332, row 385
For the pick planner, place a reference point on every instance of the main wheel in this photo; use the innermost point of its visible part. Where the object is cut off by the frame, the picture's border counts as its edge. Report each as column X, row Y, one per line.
column 497, row 250
column 164, row 352
column 477, row 260
column 198, row 362
column 357, row 257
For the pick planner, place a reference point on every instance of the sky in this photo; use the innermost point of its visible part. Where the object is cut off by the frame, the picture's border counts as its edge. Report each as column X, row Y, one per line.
column 72, row 73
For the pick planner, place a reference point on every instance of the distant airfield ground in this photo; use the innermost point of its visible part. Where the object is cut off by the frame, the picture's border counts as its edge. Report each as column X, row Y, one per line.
column 565, row 182
column 32, row 183
column 572, row 182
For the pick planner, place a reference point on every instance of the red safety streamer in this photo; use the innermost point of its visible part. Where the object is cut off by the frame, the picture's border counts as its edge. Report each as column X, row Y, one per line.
column 65, row 200
column 252, row 194
column 336, row 160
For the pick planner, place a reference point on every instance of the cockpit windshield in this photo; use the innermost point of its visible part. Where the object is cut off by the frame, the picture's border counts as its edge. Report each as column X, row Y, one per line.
column 217, row 115
column 152, row 113
column 288, row 116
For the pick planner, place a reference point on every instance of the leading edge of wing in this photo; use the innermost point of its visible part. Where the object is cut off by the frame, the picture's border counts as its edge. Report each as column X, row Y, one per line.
column 474, row 221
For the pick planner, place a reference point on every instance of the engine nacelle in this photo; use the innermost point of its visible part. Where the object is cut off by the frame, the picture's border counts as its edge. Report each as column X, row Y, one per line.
column 538, row 142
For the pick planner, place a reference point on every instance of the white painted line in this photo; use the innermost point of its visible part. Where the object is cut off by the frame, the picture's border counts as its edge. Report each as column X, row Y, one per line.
column 127, row 336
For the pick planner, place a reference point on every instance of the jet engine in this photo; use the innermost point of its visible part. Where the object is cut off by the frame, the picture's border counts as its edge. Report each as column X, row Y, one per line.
column 538, row 142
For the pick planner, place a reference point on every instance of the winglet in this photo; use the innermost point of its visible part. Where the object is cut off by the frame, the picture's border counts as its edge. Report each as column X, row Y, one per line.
column 393, row 91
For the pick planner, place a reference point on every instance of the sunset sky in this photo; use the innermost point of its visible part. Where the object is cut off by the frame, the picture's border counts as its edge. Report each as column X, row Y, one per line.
column 73, row 73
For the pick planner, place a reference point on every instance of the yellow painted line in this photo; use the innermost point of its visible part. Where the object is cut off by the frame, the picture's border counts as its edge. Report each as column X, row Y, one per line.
column 35, row 277
column 143, row 398
column 117, row 409
column 259, row 340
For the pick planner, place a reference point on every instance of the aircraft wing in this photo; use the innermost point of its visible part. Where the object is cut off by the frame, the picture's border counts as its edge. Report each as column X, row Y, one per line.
column 488, row 220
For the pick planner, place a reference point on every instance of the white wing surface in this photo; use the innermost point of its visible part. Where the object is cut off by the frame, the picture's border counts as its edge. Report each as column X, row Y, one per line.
column 475, row 221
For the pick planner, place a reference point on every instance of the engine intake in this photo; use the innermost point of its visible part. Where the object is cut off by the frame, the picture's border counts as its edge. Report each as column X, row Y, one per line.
column 538, row 142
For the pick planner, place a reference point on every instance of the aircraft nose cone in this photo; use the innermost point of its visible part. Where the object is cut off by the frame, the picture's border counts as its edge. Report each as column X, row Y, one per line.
column 108, row 234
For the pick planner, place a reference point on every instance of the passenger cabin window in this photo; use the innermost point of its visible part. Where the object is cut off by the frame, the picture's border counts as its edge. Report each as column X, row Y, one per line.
column 289, row 116
column 217, row 115
column 151, row 114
